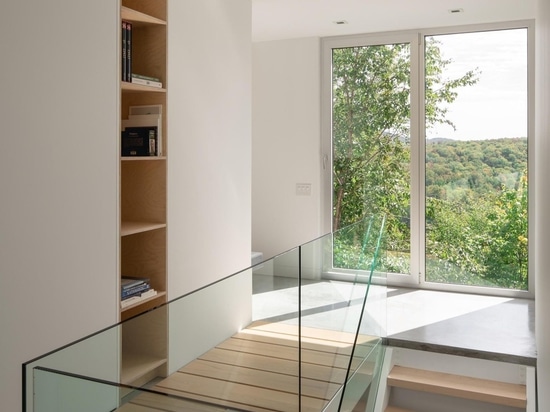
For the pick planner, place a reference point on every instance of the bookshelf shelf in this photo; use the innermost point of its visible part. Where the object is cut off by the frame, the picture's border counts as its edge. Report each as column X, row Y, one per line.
column 135, row 365
column 137, row 17
column 143, row 197
column 132, row 228
column 141, row 158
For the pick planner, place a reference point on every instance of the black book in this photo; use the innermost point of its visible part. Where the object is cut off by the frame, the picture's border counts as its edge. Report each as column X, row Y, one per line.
column 123, row 46
column 128, row 52
column 140, row 141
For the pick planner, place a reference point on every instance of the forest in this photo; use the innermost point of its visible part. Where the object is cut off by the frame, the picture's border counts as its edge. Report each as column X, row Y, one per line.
column 453, row 167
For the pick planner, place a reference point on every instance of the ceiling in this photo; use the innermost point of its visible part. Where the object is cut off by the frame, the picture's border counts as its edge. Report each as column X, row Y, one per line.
column 285, row 19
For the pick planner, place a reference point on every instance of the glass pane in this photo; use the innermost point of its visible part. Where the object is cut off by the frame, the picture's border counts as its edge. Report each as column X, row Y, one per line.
column 55, row 391
column 476, row 158
column 371, row 143
column 362, row 385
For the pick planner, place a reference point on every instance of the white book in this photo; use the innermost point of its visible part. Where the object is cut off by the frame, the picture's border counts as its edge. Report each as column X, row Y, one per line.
column 146, row 82
column 149, row 294
column 135, row 299
column 146, row 109
column 130, row 301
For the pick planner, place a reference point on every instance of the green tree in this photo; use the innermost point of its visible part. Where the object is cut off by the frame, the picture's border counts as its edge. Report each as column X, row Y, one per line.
column 507, row 258
column 371, row 122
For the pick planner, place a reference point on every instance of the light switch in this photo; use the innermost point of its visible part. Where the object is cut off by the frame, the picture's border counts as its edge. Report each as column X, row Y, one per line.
column 303, row 189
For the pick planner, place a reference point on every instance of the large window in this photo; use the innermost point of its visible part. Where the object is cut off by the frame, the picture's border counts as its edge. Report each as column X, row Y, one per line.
column 432, row 129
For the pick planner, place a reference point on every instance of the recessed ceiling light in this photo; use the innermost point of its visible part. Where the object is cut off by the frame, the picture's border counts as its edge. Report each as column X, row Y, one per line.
column 340, row 22
column 455, row 11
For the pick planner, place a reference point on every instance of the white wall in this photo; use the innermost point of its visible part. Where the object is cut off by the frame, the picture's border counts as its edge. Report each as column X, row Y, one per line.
column 58, row 178
column 285, row 143
column 542, row 202
column 209, row 146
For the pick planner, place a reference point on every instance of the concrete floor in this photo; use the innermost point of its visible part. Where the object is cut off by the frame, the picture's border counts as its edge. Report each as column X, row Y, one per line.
column 486, row 327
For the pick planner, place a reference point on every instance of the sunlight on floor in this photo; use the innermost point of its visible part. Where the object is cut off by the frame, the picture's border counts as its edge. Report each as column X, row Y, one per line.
column 416, row 308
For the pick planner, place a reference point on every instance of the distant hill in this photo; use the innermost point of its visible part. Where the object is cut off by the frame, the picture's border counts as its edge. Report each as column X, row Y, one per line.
column 454, row 167
column 439, row 140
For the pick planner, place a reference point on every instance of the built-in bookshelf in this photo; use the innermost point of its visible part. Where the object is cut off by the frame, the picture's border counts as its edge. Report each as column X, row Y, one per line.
column 143, row 194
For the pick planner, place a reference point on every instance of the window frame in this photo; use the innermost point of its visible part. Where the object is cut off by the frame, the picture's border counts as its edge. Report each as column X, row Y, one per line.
column 417, row 278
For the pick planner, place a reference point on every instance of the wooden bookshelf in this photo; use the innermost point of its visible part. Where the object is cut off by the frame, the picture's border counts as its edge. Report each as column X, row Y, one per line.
column 143, row 199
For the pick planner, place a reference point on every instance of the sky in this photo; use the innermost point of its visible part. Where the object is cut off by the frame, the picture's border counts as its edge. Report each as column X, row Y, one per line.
column 496, row 106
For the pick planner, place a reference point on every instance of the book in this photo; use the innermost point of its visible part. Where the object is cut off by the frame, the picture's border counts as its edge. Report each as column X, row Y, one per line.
column 130, row 281
column 146, row 82
column 136, row 290
column 123, row 48
column 143, row 77
column 146, row 109
column 135, row 299
column 139, row 141
column 146, row 115
column 128, row 52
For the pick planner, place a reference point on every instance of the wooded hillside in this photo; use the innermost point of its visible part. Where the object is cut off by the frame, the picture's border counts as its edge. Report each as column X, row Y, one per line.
column 480, row 165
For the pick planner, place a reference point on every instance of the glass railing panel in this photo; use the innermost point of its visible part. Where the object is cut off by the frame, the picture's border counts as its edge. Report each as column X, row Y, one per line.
column 62, row 392
column 273, row 336
column 57, row 391
column 361, row 320
column 282, row 335
column 97, row 356
column 360, row 391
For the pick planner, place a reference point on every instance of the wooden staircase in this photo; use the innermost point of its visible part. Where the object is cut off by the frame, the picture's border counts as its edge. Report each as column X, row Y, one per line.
column 482, row 390
column 257, row 370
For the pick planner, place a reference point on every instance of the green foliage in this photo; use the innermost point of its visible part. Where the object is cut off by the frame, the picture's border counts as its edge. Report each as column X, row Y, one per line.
column 357, row 246
column 476, row 191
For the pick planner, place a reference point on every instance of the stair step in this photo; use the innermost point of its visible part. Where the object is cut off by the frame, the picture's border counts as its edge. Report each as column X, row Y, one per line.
column 484, row 390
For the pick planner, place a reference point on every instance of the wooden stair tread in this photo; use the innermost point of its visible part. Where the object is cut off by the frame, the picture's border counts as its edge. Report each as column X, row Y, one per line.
column 285, row 352
column 258, row 378
column 500, row 393
column 337, row 337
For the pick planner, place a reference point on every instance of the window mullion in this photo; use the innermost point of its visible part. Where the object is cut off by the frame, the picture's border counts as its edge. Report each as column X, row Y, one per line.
column 417, row 159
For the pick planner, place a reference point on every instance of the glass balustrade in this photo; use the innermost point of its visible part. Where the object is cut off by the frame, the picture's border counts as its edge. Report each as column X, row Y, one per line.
column 282, row 335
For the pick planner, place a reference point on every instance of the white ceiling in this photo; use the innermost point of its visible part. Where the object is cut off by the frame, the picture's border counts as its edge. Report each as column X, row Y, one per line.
column 284, row 19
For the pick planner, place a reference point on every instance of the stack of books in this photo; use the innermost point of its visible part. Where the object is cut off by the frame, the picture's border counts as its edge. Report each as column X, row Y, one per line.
column 142, row 131
column 134, row 290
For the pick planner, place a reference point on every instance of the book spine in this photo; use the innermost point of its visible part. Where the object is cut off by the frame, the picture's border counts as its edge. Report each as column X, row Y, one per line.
column 123, row 45
column 135, row 291
column 133, row 285
column 129, row 53
column 152, row 142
